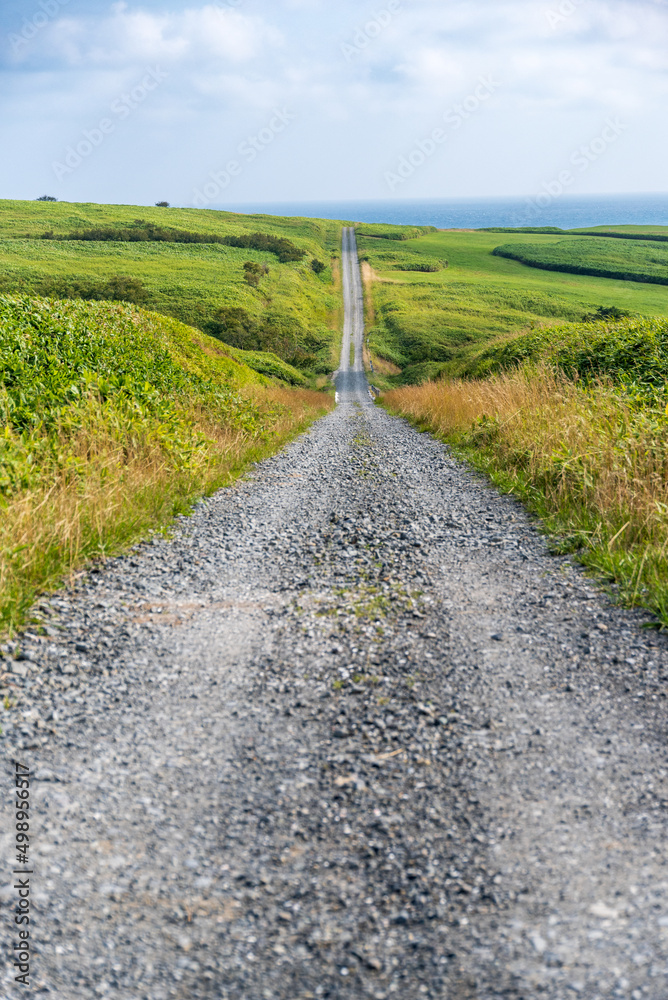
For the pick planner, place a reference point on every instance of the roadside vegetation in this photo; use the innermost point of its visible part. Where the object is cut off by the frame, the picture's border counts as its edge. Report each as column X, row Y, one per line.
column 435, row 324
column 574, row 421
column 114, row 420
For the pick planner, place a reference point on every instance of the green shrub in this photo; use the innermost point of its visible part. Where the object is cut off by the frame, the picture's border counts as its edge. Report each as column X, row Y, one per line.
column 149, row 232
column 605, row 313
column 553, row 230
column 118, row 288
column 651, row 237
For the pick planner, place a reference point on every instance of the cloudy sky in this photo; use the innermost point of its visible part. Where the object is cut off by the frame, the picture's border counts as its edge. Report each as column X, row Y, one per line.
column 276, row 100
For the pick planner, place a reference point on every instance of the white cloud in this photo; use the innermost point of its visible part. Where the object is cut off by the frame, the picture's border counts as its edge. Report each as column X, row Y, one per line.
column 229, row 66
column 129, row 36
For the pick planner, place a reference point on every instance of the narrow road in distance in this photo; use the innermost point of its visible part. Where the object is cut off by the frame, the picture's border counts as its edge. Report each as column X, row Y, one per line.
column 351, row 733
column 353, row 302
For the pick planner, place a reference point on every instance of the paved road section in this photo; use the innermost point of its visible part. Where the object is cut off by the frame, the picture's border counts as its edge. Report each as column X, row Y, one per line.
column 351, row 733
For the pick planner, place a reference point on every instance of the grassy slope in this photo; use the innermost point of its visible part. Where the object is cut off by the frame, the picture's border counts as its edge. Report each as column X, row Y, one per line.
column 21, row 218
column 114, row 420
column 631, row 353
column 628, row 230
column 625, row 259
column 189, row 282
column 428, row 323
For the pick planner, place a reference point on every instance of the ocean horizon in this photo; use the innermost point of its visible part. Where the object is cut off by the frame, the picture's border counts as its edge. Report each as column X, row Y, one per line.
column 574, row 212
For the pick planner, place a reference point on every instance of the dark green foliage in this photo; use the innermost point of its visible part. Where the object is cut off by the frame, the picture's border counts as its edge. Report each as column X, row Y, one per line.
column 425, row 267
column 522, row 229
column 284, row 249
column 605, row 313
column 625, row 260
column 162, row 204
column 46, row 197
column 650, row 237
column 388, row 232
column 118, row 288
column 317, row 266
column 145, row 232
column 277, row 332
column 235, row 326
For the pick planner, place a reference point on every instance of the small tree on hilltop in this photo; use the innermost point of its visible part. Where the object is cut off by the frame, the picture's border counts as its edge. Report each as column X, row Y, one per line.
column 162, row 204
column 46, row 197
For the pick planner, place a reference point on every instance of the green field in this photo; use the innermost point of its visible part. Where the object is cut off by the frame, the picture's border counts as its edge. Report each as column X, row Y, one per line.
column 626, row 259
column 293, row 312
column 433, row 324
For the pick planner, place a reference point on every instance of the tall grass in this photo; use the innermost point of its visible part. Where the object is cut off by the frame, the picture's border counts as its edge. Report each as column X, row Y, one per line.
column 591, row 462
column 112, row 420
column 122, row 479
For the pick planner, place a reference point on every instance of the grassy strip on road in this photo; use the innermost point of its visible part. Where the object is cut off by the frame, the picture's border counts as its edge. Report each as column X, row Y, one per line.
column 115, row 420
column 590, row 462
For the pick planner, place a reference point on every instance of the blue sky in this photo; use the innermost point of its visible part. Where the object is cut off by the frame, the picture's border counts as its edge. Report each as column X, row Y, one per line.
column 249, row 100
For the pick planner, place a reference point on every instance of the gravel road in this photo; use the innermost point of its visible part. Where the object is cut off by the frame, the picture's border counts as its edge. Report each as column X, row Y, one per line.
column 352, row 732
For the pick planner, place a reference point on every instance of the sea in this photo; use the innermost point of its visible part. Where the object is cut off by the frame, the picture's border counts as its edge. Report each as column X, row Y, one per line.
column 574, row 212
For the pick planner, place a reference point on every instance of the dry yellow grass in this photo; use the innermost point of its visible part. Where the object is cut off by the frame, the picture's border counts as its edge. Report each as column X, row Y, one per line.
column 122, row 482
column 369, row 276
column 593, row 465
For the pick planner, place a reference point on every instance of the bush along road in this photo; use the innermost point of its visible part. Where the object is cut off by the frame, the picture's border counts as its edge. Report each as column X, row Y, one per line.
column 352, row 732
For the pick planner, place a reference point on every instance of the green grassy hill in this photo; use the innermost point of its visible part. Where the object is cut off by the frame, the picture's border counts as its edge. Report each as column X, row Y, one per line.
column 292, row 313
column 434, row 323
column 624, row 258
column 114, row 419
